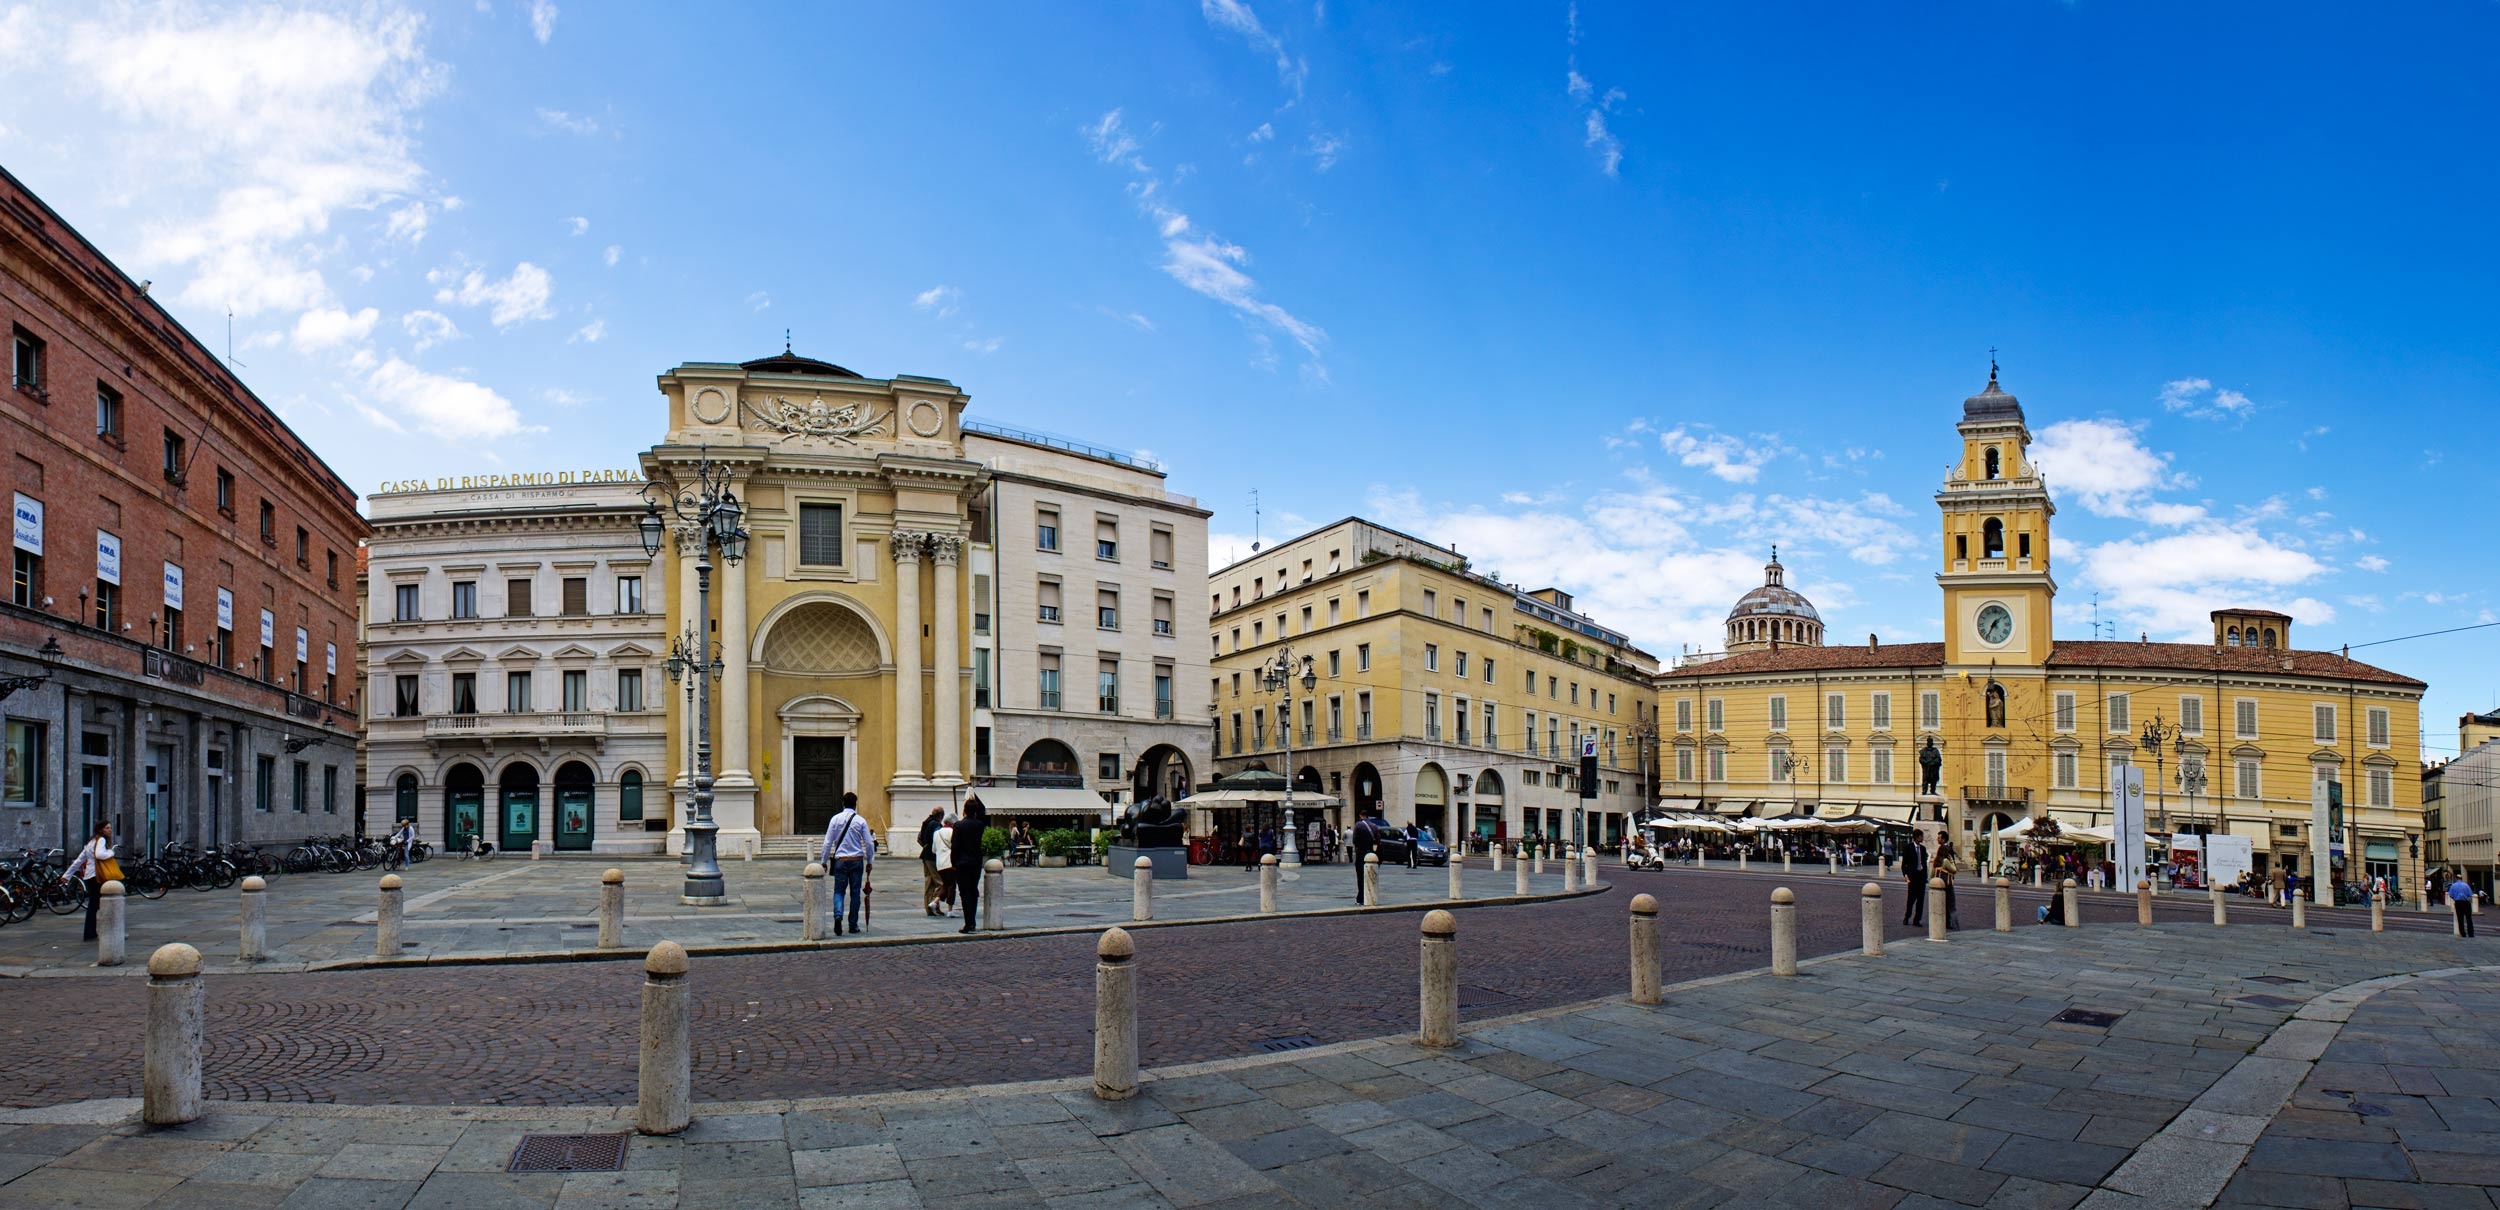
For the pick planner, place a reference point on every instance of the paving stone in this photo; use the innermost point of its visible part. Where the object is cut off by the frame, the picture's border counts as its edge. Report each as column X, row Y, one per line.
column 2326, row 1157
column 2055, row 1161
column 1950, row 1182
column 850, row 1165
column 2253, row 1188
column 1946, row 1142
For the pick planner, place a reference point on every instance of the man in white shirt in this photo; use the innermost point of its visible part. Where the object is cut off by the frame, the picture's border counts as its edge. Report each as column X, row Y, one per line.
column 850, row 848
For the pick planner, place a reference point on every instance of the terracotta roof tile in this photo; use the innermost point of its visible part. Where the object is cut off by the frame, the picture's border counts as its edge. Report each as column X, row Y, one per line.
column 1811, row 659
column 2078, row 654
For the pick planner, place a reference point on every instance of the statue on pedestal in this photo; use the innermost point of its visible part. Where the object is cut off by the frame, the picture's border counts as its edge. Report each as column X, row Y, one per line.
column 1930, row 767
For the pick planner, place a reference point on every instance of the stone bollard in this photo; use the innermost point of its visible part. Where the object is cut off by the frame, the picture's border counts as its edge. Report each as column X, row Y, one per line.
column 177, row 1004
column 1744, row 859
column 611, row 909
column 1935, row 909
column 1646, row 982
column 2005, row 905
column 2378, row 914
column 993, row 894
column 1831, row 863
column 2300, row 911
column 2035, row 876
column 1267, row 884
column 1571, row 872
column 2074, row 904
column 1783, row 932
column 1371, row 879
column 255, row 920
column 386, row 918
column 812, row 902
column 1115, row 1016
column 1458, row 877
column 1588, row 873
column 667, row 1095
column 1497, row 857
column 1787, row 865
column 110, row 919
column 1519, row 877
column 1142, row 893
column 2144, row 902
column 1539, row 858
column 1871, row 920
column 1440, row 981
column 2222, row 912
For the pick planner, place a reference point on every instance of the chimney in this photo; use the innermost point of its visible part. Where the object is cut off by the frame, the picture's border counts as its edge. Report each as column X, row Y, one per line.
column 1870, row 641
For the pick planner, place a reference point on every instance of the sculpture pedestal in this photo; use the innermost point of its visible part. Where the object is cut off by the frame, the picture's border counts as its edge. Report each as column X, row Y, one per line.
column 1169, row 861
column 1928, row 819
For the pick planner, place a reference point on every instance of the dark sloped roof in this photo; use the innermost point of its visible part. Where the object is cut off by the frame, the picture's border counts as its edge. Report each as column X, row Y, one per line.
column 2250, row 613
column 2199, row 656
column 786, row 362
column 1992, row 402
column 1814, row 659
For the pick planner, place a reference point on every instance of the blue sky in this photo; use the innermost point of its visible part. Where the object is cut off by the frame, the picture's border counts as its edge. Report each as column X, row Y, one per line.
column 1611, row 296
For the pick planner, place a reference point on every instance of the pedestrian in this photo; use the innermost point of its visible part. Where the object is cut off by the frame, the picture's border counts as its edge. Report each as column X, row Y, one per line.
column 1411, row 836
column 1945, row 870
column 849, row 849
column 2274, row 892
column 1914, row 873
column 944, row 843
column 930, row 887
column 404, row 841
column 1366, row 838
column 2460, row 897
column 95, row 866
column 969, row 855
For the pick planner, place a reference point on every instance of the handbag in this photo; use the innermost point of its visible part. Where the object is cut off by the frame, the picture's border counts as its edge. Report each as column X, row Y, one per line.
column 108, row 870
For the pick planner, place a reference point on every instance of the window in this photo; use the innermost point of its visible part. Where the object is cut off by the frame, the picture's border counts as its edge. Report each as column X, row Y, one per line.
column 2118, row 711
column 1107, row 766
column 1684, row 716
column 576, row 686
column 1107, row 541
column 225, row 491
column 1553, row 735
column 2248, row 779
column 820, row 535
column 1163, row 615
column 1107, row 687
column 1163, row 691
column 264, row 783
column 2065, row 711
column 1610, row 701
column 1715, row 713
column 268, row 523
column 516, row 599
column 1779, row 766
column 1432, row 716
column 1258, row 632
column 1532, row 777
column 2378, row 727
column 576, row 596
column 1332, row 611
column 2323, row 718
column 1836, row 765
column 108, row 413
column 1362, row 716
column 26, row 361
column 1779, row 712
column 1432, row 603
column 1048, row 671
column 1488, row 670
column 1432, row 658
column 464, row 599
column 629, row 689
column 1488, row 620
column 1683, row 764
column 1335, row 662
column 516, row 692
column 2066, row 763
column 2191, row 716
column 108, row 605
column 173, row 468
column 1258, row 728
column 1553, row 688
column 405, row 608
column 1046, row 530
column 1363, row 604
column 1575, row 693
column 301, row 795
column 629, row 796
column 1531, row 731
column 1928, row 710
column 1107, row 609
column 330, row 789
column 1159, row 548
column 331, row 559
column 404, row 694
column 2244, row 718
column 1882, row 760
column 303, row 547
column 629, row 594
column 464, row 693
column 1489, row 740
column 1881, row 712
column 24, row 753
column 1835, row 712
column 1459, row 663
column 1048, row 595
column 981, row 678
column 1996, row 771
column 1362, row 657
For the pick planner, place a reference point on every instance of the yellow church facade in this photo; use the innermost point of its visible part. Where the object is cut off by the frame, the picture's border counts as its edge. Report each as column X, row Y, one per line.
column 2232, row 736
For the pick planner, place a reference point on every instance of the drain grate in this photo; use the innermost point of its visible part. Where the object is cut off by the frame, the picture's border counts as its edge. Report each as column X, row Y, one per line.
column 2088, row 1016
column 569, row 1153
column 1278, row 1046
column 2274, row 979
column 2263, row 1001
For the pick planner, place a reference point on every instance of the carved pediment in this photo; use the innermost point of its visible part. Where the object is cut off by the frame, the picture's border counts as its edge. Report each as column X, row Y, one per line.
column 843, row 420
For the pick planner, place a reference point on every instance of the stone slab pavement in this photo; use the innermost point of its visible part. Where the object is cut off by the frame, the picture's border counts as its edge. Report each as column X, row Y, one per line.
column 2242, row 1066
column 456, row 909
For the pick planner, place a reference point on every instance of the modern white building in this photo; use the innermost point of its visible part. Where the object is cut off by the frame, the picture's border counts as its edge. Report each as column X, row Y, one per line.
column 513, row 647
column 1089, row 645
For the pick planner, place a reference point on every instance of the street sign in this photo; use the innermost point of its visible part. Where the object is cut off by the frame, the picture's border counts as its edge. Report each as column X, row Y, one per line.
column 1588, row 767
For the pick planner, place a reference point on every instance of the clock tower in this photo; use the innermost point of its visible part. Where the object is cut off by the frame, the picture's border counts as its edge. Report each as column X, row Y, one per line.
column 1996, row 510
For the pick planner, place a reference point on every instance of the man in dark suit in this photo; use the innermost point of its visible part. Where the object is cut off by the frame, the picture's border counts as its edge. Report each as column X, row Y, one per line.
column 1914, row 872
column 1366, row 841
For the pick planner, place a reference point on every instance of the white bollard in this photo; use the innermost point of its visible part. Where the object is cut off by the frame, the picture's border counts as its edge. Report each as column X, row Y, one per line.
column 1571, row 872
column 1539, row 858
column 2144, row 902
column 1787, row 863
column 1371, row 879
column 2300, row 911
column 1497, row 857
column 110, row 920
column 1458, row 877
column 1831, row 863
column 255, row 920
column 1440, row 979
column 1744, row 859
column 1871, row 920
column 2074, row 904
column 386, row 911
column 177, row 1005
column 2005, row 906
column 2222, row 915
column 993, row 890
column 666, row 1102
column 1783, row 932
column 1267, row 885
column 1935, row 909
column 1588, row 876
column 1647, row 986
column 812, row 902
column 2378, row 914
column 1519, row 877
column 611, row 909
column 1142, row 894
column 1115, row 1016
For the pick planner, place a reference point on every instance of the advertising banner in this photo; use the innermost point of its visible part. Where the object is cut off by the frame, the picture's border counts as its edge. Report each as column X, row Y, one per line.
column 2128, row 848
column 330, row 658
column 303, row 645
column 28, row 530
column 268, row 629
column 173, row 586
column 2228, row 859
column 225, row 609
column 108, row 557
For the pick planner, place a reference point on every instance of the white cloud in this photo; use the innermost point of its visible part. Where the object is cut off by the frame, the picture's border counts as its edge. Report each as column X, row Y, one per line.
column 1265, row 132
column 1718, row 453
column 379, row 418
column 2170, row 584
column 1133, row 319
column 563, row 398
column 542, row 20
column 569, row 123
column 2103, row 465
column 450, row 408
column 330, row 327
column 589, row 333
column 940, row 301
column 613, row 253
column 985, row 346
column 1609, row 149
column 1324, row 150
column 518, row 298
column 1596, row 135
column 2197, row 399
column 758, row 301
column 2370, row 563
column 430, row 328
column 577, row 225
column 408, row 222
column 1233, row 16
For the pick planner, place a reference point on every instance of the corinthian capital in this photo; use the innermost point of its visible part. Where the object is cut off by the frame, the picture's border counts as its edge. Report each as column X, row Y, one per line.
column 907, row 545
column 946, row 548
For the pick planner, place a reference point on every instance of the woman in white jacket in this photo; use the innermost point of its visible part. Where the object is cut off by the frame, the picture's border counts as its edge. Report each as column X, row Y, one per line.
column 944, row 846
column 93, row 866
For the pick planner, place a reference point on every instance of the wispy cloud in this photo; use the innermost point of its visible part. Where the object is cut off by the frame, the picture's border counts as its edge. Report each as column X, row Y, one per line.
column 1235, row 17
column 518, row 298
column 330, row 328
column 542, row 20
column 1723, row 456
column 759, row 301
column 429, row 328
column 1596, row 106
column 577, row 225
column 453, row 409
column 569, row 123
column 589, row 333
column 2199, row 399
column 939, row 301
column 610, row 256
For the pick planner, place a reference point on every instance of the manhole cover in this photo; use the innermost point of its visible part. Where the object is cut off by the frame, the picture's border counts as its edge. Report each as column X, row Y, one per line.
column 2088, row 1016
column 2262, row 1001
column 1276, row 1046
column 2274, row 979
column 1470, row 996
column 568, row 1153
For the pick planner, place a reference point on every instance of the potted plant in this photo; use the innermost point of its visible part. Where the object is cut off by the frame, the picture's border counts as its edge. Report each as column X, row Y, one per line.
column 1054, row 845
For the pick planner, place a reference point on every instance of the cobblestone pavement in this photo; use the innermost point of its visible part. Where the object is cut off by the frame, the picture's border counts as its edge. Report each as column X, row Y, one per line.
column 1937, row 1075
column 878, row 1018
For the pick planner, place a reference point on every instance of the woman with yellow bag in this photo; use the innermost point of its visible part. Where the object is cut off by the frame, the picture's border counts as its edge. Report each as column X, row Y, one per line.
column 95, row 867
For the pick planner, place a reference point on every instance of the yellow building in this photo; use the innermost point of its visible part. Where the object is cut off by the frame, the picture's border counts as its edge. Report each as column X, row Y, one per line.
column 842, row 634
column 1444, row 697
column 2028, row 724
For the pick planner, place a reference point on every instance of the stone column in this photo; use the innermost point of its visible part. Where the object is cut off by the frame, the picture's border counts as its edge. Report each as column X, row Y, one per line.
column 946, row 552
column 729, row 747
column 611, row 909
column 906, row 551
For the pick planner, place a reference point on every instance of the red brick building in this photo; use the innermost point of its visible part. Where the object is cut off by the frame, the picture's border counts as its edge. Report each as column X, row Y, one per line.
column 178, row 644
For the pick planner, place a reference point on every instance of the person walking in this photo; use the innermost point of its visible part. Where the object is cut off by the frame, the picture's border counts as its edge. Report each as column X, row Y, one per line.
column 968, row 859
column 2460, row 897
column 404, row 842
column 849, row 849
column 94, row 866
column 944, row 843
column 931, row 888
column 1945, row 869
column 1411, row 836
column 1914, row 873
column 2274, row 892
column 1366, row 839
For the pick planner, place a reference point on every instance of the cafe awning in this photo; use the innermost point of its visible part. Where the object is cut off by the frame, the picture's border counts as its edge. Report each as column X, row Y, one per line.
column 1033, row 800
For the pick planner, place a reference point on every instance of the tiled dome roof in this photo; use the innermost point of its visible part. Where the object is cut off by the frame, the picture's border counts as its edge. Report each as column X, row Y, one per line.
column 1775, row 599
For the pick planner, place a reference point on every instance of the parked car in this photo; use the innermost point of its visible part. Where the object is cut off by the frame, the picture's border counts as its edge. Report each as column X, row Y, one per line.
column 1428, row 849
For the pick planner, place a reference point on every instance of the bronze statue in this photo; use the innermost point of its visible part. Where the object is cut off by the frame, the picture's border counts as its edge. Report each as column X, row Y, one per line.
column 1930, row 767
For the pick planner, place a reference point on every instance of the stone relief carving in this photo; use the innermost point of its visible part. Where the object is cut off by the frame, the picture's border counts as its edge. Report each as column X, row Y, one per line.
column 843, row 422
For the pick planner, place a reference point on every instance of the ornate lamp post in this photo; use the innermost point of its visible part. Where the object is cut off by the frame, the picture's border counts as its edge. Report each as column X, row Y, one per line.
column 1279, row 674
column 2192, row 781
column 708, row 513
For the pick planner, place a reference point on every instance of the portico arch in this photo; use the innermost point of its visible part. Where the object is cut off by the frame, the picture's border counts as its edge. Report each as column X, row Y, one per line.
column 1432, row 797
column 780, row 613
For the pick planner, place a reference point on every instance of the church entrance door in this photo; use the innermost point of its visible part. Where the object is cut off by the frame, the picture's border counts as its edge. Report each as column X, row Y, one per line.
column 815, row 782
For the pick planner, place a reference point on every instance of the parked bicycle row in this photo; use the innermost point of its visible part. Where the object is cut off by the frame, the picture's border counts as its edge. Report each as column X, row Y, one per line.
column 61, row 883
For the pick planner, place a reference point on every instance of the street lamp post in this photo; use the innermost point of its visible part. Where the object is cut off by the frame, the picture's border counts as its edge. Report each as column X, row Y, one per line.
column 709, row 513
column 2192, row 781
column 1280, row 674
column 2156, row 733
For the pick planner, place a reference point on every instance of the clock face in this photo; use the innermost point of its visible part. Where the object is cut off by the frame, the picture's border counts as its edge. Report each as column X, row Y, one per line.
column 1995, row 624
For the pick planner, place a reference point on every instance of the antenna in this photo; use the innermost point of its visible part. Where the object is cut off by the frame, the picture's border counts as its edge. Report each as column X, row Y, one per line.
column 230, row 337
column 1254, row 521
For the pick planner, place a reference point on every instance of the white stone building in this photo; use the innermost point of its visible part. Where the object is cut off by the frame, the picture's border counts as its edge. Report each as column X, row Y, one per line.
column 513, row 646
column 1089, row 644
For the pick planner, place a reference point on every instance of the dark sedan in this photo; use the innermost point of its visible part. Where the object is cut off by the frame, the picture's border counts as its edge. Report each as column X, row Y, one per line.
column 1428, row 849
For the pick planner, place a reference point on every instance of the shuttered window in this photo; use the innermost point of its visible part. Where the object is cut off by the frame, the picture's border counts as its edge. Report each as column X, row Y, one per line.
column 820, row 535
column 576, row 596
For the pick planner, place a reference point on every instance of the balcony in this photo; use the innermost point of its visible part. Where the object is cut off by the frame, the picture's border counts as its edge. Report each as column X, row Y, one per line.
column 2006, row 794
column 1306, row 735
column 544, row 730
column 1163, row 627
column 1163, row 707
column 1050, row 613
column 1336, row 735
column 1362, row 731
column 981, row 697
column 1432, row 732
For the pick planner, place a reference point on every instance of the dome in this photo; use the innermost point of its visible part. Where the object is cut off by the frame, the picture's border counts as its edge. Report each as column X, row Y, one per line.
column 1992, row 403
column 1773, row 614
column 787, row 362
